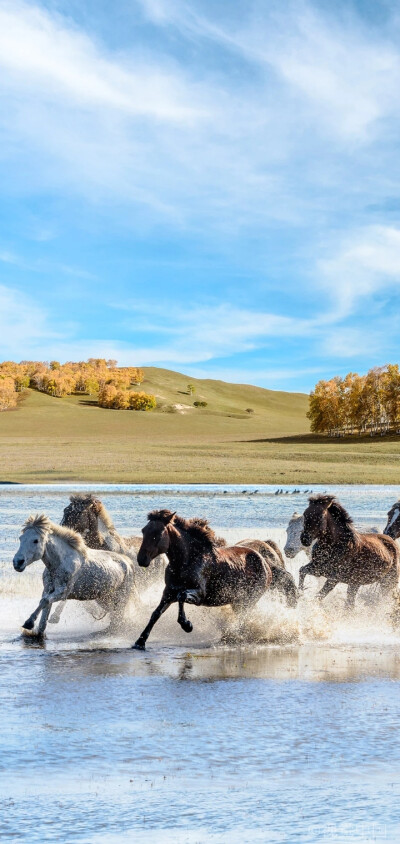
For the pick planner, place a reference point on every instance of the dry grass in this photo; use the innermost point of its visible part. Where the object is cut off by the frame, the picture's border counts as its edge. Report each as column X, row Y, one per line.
column 70, row 439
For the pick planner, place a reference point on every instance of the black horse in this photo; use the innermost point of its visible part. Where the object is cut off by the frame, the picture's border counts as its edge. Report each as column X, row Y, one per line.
column 200, row 570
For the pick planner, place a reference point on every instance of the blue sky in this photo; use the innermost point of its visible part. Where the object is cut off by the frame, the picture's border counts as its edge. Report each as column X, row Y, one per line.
column 209, row 186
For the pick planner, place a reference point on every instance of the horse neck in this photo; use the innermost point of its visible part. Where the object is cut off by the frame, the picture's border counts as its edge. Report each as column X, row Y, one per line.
column 179, row 548
column 337, row 533
column 108, row 536
column 56, row 549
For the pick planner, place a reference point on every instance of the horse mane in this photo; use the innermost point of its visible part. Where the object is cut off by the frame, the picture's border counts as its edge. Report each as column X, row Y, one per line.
column 337, row 511
column 40, row 522
column 90, row 498
column 198, row 529
column 396, row 504
column 43, row 525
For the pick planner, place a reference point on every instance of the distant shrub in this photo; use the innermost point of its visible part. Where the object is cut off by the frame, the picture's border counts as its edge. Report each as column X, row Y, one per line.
column 200, row 404
column 141, row 401
column 249, row 410
column 191, row 389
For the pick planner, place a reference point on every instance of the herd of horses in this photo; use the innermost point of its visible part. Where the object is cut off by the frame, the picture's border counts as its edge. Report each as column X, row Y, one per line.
column 86, row 559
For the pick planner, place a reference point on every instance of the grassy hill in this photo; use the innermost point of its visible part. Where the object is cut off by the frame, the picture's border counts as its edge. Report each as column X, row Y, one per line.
column 49, row 439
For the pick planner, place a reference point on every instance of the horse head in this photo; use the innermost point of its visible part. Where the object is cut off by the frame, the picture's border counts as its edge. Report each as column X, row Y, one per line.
column 294, row 529
column 326, row 514
column 315, row 518
column 32, row 542
column 81, row 515
column 156, row 538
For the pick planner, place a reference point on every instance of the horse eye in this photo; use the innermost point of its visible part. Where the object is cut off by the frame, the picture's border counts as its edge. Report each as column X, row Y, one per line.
column 35, row 541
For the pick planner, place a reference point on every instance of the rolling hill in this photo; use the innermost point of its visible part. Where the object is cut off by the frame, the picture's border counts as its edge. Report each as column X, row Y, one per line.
column 71, row 439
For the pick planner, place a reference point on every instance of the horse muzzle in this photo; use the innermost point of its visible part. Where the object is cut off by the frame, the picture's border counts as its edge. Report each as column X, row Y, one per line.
column 305, row 539
column 143, row 560
column 289, row 552
column 19, row 563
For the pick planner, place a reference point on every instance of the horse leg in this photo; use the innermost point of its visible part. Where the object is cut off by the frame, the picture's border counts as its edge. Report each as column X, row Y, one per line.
column 352, row 590
column 191, row 596
column 186, row 625
column 56, row 615
column 390, row 581
column 43, row 620
column 303, row 571
column 166, row 601
column 327, row 587
column 47, row 599
column 120, row 604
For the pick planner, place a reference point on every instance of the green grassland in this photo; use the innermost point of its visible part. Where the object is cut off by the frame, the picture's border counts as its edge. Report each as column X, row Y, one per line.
column 71, row 439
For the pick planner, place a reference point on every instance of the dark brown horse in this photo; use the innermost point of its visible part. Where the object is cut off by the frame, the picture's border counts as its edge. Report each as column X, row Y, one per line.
column 282, row 580
column 200, row 570
column 393, row 523
column 342, row 554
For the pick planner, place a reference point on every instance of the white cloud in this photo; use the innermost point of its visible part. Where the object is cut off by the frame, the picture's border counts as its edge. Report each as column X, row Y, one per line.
column 201, row 333
column 181, row 138
column 348, row 75
column 366, row 262
column 39, row 51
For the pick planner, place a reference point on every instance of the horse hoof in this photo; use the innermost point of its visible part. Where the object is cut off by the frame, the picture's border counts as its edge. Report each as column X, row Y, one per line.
column 139, row 646
column 187, row 626
column 29, row 625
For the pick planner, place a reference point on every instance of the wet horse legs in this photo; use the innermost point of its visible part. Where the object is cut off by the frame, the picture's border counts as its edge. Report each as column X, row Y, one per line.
column 352, row 590
column 186, row 625
column 327, row 587
column 166, row 601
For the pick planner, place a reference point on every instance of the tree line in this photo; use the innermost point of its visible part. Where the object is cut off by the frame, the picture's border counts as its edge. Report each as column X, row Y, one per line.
column 112, row 385
column 357, row 404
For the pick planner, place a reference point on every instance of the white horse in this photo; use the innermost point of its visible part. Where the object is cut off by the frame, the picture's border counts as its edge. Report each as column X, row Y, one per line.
column 72, row 570
column 293, row 543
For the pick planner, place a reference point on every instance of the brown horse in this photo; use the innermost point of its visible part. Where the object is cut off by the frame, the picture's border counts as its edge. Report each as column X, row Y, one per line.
column 282, row 580
column 200, row 570
column 342, row 554
column 393, row 523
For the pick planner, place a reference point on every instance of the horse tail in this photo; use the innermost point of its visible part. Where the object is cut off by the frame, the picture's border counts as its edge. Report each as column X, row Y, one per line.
column 283, row 582
column 277, row 550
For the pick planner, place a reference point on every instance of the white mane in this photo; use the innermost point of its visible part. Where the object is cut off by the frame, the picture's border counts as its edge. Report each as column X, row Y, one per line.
column 44, row 525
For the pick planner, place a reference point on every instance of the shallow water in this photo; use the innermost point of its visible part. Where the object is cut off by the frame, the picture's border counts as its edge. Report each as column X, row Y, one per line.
column 284, row 728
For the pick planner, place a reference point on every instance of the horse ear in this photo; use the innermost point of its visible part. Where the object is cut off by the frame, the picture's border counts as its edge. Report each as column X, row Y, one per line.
column 170, row 518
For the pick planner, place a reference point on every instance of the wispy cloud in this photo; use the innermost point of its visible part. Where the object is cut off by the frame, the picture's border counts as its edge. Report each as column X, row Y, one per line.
column 366, row 262
column 264, row 137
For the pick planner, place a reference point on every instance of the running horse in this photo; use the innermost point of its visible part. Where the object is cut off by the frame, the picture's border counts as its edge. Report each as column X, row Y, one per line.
column 393, row 522
column 342, row 554
column 72, row 570
column 200, row 570
column 87, row 515
column 282, row 581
